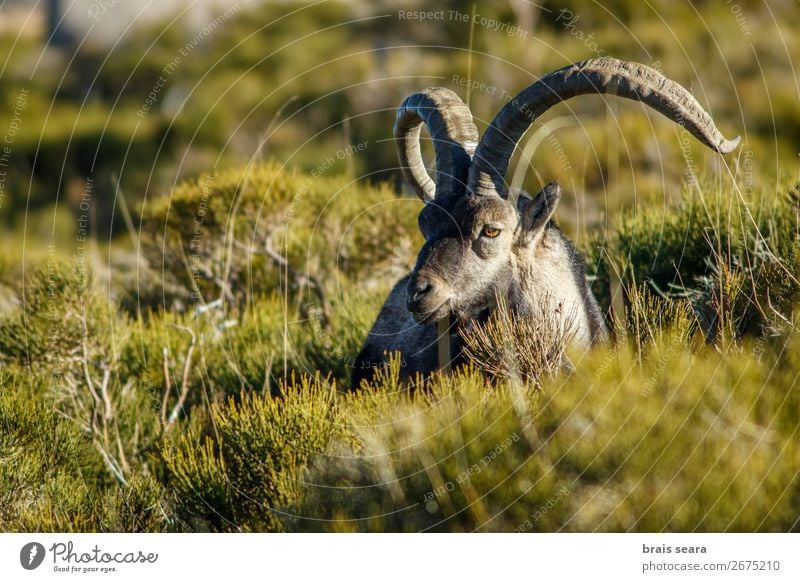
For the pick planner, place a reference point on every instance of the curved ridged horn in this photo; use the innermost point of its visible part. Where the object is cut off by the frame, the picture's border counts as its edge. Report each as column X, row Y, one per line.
column 454, row 137
column 605, row 75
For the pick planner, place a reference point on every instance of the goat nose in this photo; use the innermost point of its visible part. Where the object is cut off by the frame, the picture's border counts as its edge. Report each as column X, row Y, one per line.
column 417, row 293
column 422, row 289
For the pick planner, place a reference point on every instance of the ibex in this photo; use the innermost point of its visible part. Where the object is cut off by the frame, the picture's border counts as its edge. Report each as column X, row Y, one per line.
column 480, row 246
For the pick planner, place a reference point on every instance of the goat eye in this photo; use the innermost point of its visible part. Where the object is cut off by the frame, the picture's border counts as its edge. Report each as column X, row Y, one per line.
column 490, row 232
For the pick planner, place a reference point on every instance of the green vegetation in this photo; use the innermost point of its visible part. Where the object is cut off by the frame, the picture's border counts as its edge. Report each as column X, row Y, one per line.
column 184, row 287
column 328, row 75
column 234, row 415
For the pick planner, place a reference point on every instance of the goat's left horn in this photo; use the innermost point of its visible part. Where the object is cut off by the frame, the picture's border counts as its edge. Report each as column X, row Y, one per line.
column 604, row 75
column 454, row 137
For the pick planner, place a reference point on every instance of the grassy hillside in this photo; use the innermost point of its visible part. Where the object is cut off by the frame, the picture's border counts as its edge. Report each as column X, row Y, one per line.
column 199, row 383
column 198, row 232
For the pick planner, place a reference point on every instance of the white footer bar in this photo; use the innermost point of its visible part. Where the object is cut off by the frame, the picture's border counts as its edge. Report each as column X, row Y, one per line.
column 387, row 557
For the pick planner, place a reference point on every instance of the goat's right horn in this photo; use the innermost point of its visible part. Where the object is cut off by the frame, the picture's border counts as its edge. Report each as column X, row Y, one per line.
column 454, row 137
column 604, row 75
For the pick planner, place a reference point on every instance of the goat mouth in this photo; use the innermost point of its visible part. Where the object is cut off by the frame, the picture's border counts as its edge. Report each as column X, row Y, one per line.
column 460, row 320
column 429, row 317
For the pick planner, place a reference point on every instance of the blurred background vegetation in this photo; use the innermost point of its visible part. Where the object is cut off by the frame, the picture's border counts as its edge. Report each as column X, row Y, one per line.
column 299, row 81
column 201, row 214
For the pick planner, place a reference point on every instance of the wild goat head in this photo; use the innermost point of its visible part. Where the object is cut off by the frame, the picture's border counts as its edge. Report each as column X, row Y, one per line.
column 474, row 236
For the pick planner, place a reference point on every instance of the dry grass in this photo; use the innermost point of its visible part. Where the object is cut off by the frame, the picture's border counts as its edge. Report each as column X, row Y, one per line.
column 527, row 348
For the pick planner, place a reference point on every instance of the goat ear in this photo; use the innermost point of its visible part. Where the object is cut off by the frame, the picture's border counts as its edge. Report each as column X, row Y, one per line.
column 536, row 212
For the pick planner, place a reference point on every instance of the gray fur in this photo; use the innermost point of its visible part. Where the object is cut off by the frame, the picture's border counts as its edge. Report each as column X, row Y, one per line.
column 530, row 263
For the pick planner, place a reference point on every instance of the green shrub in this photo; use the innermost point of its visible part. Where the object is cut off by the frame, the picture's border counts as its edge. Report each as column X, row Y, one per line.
column 674, row 444
column 47, row 468
column 735, row 263
column 450, row 460
column 60, row 308
column 209, row 236
column 68, row 336
column 244, row 472
column 139, row 506
column 675, row 441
